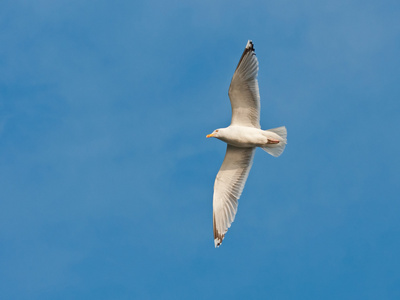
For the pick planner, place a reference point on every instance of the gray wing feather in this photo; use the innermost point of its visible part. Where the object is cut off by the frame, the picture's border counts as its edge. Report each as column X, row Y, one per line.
column 228, row 187
column 243, row 91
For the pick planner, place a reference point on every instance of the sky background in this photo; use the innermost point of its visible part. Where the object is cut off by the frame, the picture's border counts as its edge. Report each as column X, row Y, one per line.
column 106, row 177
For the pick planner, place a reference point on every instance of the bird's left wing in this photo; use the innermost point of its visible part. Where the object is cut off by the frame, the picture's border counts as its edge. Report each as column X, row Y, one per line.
column 228, row 187
column 243, row 91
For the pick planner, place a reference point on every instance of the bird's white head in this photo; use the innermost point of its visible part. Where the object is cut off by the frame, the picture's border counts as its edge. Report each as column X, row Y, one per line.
column 215, row 133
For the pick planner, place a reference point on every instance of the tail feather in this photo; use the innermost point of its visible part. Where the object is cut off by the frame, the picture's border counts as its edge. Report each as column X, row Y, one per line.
column 280, row 134
column 281, row 131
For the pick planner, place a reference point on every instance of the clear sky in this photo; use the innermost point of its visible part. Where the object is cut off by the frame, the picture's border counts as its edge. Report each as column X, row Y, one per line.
column 106, row 176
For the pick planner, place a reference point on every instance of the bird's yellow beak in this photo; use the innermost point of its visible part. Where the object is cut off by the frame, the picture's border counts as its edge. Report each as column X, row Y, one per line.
column 209, row 135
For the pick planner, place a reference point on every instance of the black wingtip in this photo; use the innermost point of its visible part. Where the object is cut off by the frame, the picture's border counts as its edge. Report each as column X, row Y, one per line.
column 217, row 236
column 250, row 45
column 249, row 48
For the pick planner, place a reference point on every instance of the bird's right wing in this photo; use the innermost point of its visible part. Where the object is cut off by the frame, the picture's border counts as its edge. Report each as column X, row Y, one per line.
column 228, row 187
column 243, row 91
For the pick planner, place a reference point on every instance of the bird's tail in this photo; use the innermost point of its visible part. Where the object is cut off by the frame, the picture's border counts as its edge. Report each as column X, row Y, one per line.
column 276, row 134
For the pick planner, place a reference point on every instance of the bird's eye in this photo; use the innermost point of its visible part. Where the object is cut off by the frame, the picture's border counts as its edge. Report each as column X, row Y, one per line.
column 216, row 130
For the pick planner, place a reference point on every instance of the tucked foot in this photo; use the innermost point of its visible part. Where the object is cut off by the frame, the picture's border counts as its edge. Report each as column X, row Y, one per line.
column 272, row 141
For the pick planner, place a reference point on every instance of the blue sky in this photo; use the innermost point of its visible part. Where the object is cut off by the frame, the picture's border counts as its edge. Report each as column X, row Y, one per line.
column 106, row 177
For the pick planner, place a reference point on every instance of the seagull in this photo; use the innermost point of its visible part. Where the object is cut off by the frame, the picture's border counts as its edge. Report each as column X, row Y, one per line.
column 242, row 136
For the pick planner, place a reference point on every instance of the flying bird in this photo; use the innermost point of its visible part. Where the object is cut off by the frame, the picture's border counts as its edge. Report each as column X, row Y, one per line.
column 243, row 135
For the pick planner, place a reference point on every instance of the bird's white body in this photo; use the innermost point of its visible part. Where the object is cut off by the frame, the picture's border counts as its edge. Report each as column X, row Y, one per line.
column 247, row 137
column 242, row 136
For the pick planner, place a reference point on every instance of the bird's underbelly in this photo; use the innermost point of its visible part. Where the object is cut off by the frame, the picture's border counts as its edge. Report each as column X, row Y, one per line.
column 244, row 144
column 246, row 138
